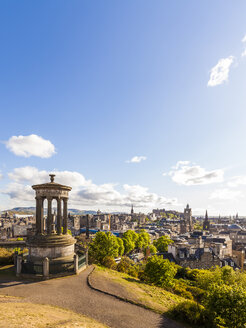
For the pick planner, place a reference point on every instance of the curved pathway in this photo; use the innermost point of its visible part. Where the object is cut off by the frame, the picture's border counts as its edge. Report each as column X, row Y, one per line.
column 73, row 293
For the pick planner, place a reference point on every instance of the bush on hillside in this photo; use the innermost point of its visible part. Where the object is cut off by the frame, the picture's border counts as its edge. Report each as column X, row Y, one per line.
column 190, row 312
column 126, row 265
column 109, row 262
column 159, row 272
column 6, row 256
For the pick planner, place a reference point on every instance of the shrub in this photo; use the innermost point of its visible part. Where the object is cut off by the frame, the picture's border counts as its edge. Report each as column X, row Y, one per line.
column 227, row 304
column 159, row 272
column 182, row 291
column 189, row 312
column 125, row 264
column 109, row 262
column 6, row 256
column 197, row 293
column 133, row 271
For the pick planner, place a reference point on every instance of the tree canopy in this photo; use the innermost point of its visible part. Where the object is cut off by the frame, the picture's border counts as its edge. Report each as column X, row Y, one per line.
column 159, row 272
column 162, row 243
column 105, row 244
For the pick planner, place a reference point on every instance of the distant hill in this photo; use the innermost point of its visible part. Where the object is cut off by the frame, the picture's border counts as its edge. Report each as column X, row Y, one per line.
column 31, row 210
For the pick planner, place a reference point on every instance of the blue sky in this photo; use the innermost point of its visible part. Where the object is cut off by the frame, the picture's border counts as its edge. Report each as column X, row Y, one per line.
column 91, row 85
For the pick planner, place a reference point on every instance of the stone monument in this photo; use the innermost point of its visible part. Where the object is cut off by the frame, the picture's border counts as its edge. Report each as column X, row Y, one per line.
column 51, row 242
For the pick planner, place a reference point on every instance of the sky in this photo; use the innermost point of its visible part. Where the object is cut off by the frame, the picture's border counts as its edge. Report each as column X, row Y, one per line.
column 128, row 102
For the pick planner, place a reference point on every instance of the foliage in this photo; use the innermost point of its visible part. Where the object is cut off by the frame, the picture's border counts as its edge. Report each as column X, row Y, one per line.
column 6, row 256
column 226, row 304
column 162, row 243
column 121, row 246
column 152, row 249
column 182, row 291
column 197, row 226
column 189, row 312
column 159, row 272
column 104, row 244
column 129, row 239
column 225, row 275
column 126, row 265
column 143, row 240
column 109, row 262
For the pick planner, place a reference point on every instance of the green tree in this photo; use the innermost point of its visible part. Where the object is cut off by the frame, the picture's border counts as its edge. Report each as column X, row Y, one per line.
column 129, row 239
column 162, row 243
column 143, row 240
column 104, row 244
column 152, row 249
column 121, row 246
column 159, row 272
column 226, row 305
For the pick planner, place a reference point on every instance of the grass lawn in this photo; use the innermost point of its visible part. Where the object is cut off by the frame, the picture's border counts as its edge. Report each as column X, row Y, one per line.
column 153, row 297
column 16, row 314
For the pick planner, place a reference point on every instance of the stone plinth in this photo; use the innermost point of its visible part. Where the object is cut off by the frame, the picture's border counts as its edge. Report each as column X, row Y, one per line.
column 51, row 246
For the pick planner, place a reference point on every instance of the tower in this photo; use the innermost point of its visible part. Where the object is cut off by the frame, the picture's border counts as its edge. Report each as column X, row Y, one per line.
column 206, row 223
column 186, row 224
column 132, row 211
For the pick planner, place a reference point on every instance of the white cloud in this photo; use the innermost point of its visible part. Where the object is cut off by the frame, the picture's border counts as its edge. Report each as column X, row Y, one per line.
column 244, row 39
column 137, row 159
column 31, row 145
column 188, row 174
column 225, row 194
column 84, row 192
column 237, row 181
column 220, row 72
column 243, row 54
column 140, row 195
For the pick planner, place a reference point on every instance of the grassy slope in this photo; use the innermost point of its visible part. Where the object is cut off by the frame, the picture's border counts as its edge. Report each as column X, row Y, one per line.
column 154, row 297
column 16, row 314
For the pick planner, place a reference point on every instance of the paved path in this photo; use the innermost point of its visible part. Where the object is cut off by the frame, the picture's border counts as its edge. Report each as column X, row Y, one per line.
column 73, row 293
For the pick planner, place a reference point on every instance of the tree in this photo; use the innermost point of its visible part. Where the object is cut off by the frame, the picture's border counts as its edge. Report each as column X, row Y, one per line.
column 159, row 272
column 143, row 240
column 104, row 244
column 162, row 243
column 121, row 246
column 129, row 239
column 152, row 249
column 226, row 305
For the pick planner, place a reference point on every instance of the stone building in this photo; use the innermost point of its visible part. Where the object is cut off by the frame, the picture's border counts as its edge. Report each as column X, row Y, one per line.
column 186, row 223
column 206, row 223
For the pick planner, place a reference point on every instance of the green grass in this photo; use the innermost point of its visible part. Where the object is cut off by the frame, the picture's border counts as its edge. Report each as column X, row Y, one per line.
column 155, row 298
column 7, row 271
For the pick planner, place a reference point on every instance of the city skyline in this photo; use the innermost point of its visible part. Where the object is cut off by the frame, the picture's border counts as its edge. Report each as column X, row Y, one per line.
column 125, row 105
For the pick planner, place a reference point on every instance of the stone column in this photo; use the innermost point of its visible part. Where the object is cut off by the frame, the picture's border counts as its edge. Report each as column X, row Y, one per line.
column 86, row 257
column 49, row 216
column 38, row 216
column 64, row 216
column 76, row 263
column 59, row 217
column 46, row 268
column 41, row 215
column 18, row 265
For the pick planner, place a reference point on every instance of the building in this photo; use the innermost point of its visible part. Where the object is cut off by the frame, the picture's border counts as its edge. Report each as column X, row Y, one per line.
column 206, row 223
column 186, row 223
